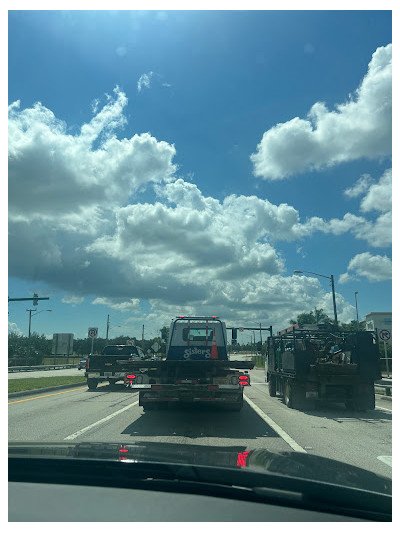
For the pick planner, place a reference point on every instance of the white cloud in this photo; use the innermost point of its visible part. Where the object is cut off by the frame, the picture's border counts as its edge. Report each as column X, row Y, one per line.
column 73, row 213
column 67, row 177
column 144, row 81
column 358, row 128
column 360, row 187
column 124, row 306
column 74, row 300
column 373, row 267
column 13, row 328
column 379, row 195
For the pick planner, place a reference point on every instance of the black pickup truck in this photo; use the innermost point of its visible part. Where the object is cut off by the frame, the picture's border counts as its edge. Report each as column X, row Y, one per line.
column 104, row 367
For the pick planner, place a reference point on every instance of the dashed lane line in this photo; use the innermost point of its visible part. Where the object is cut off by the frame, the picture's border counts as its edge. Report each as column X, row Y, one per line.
column 387, row 459
column 287, row 438
column 101, row 421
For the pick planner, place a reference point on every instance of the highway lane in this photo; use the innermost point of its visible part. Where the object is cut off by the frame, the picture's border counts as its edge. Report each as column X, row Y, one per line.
column 113, row 415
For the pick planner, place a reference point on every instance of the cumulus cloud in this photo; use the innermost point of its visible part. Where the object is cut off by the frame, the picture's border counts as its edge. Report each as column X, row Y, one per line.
column 358, row 128
column 13, row 328
column 52, row 172
column 379, row 195
column 123, row 306
column 73, row 213
column 360, row 187
column 372, row 267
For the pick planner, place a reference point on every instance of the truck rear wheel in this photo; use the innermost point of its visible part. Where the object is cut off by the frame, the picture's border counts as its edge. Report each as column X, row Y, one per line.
column 272, row 386
column 92, row 383
column 288, row 395
column 363, row 400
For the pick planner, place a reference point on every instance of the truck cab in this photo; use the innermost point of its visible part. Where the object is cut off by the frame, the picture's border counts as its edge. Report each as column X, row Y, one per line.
column 197, row 339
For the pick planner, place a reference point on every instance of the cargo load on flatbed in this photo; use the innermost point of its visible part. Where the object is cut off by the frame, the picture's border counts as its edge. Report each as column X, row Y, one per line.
column 197, row 368
column 305, row 365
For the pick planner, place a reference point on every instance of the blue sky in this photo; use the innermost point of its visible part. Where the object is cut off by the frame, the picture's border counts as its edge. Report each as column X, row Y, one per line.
column 168, row 162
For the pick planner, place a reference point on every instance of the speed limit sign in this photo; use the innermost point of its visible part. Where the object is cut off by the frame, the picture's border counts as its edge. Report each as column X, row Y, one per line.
column 385, row 335
column 92, row 332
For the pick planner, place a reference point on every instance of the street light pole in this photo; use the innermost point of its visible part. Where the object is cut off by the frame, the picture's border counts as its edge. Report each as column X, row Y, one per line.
column 30, row 318
column 333, row 289
column 355, row 295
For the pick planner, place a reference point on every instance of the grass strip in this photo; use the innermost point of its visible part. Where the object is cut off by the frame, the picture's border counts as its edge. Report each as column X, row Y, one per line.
column 259, row 361
column 18, row 385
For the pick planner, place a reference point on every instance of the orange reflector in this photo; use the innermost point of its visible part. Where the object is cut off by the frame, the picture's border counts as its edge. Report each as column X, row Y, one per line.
column 212, row 387
column 156, row 387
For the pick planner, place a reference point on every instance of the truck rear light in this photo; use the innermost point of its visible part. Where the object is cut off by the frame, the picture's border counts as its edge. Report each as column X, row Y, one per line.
column 130, row 376
column 243, row 380
column 212, row 387
column 87, row 363
column 156, row 387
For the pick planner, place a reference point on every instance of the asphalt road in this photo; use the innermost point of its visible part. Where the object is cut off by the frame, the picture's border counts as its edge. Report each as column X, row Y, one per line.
column 113, row 415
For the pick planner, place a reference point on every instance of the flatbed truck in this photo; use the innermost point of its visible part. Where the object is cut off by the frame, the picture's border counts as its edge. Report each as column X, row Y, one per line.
column 196, row 369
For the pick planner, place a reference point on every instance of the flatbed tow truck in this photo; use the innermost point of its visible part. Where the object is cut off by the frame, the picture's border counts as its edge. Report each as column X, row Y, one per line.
column 197, row 368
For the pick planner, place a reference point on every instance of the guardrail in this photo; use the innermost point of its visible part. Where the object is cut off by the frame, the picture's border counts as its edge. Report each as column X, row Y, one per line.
column 384, row 384
column 39, row 367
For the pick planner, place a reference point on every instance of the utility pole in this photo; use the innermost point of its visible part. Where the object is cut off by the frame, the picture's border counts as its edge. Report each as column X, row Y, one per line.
column 355, row 295
column 108, row 326
column 30, row 319
column 143, row 337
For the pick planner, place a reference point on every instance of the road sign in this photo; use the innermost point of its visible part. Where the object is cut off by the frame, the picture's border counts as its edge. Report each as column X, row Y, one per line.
column 385, row 335
column 130, row 342
column 156, row 347
column 92, row 332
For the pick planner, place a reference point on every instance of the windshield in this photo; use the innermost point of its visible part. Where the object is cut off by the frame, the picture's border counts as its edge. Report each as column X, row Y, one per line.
column 227, row 173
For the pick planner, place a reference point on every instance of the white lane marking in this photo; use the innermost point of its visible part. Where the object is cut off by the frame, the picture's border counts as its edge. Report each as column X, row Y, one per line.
column 105, row 419
column 387, row 459
column 287, row 438
column 383, row 409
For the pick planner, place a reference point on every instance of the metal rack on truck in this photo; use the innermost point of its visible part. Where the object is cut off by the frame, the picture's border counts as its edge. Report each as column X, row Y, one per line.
column 197, row 368
column 305, row 365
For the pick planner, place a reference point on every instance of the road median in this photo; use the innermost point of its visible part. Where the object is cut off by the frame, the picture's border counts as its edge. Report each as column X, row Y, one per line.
column 27, row 386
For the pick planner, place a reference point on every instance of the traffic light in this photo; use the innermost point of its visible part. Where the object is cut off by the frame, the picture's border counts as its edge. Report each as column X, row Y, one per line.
column 164, row 334
column 35, row 299
column 234, row 335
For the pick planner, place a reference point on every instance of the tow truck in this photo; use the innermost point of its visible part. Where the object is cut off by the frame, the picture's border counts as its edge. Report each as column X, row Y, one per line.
column 197, row 368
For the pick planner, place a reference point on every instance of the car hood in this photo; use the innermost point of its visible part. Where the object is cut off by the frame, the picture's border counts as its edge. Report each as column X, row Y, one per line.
column 290, row 464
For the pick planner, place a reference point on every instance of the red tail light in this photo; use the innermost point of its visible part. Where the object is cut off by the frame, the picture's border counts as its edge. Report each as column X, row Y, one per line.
column 130, row 376
column 87, row 363
column 242, row 458
column 243, row 380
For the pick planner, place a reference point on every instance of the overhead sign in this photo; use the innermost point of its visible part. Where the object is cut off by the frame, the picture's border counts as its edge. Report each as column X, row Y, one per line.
column 385, row 335
column 93, row 332
column 130, row 342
